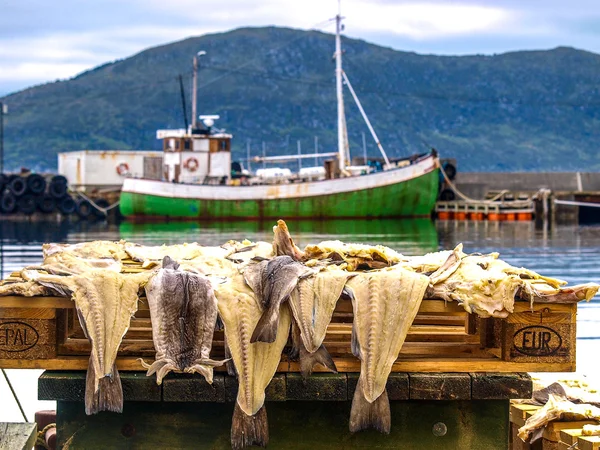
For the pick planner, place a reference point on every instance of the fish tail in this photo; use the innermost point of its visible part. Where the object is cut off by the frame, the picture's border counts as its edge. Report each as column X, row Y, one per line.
column 266, row 328
column 249, row 430
column 309, row 360
column 365, row 415
column 108, row 397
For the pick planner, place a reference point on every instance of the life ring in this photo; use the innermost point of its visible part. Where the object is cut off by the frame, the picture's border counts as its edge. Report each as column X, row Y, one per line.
column 123, row 169
column 191, row 164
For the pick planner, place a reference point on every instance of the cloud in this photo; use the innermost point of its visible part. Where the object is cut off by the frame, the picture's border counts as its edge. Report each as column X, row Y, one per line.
column 42, row 40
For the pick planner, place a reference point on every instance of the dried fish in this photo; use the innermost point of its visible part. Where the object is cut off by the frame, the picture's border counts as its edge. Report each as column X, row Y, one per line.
column 256, row 363
column 183, row 309
column 273, row 281
column 105, row 302
column 385, row 304
column 312, row 303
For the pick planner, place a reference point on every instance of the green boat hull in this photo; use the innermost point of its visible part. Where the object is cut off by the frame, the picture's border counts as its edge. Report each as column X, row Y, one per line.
column 411, row 198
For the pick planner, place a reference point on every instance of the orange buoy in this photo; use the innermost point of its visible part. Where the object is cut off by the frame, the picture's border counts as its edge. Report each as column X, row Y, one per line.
column 460, row 216
column 524, row 216
column 476, row 216
column 510, row 217
column 494, row 216
column 443, row 215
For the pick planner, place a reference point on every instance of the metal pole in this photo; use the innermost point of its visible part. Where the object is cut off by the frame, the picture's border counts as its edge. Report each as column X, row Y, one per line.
column 183, row 101
column 299, row 154
column 15, row 395
column 248, row 153
column 342, row 133
column 195, row 93
column 364, row 148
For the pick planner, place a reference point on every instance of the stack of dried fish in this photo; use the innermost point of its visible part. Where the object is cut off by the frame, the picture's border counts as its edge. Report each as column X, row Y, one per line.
column 261, row 292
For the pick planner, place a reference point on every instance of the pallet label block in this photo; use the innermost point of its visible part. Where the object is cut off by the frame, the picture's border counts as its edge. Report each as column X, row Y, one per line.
column 17, row 336
column 537, row 341
column 27, row 338
column 543, row 334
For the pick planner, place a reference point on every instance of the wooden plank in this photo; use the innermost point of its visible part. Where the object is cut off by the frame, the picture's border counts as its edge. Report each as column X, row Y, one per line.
column 397, row 386
column 13, row 301
column 588, row 443
column 27, row 313
column 350, row 364
column 192, row 388
column 17, row 436
column 488, row 386
column 439, row 386
column 553, row 429
column 321, row 387
column 519, row 412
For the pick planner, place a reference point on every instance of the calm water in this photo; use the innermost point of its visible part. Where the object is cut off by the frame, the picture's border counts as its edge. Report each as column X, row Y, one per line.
column 568, row 252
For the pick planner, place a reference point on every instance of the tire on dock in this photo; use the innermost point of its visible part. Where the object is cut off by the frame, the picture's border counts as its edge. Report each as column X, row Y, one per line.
column 3, row 181
column 58, row 189
column 8, row 202
column 18, row 186
column 36, row 184
column 447, row 195
column 84, row 209
column 46, row 203
column 66, row 205
column 26, row 204
column 102, row 203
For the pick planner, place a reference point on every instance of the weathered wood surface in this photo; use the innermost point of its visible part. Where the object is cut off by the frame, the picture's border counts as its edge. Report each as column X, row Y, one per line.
column 298, row 425
column 70, row 386
column 17, row 436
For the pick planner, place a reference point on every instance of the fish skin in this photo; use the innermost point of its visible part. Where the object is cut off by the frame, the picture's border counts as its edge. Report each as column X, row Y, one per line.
column 256, row 363
column 272, row 282
column 312, row 303
column 283, row 244
column 183, row 309
column 391, row 297
column 101, row 297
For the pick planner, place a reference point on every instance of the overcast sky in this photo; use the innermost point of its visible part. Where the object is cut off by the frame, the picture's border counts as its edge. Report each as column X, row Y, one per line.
column 45, row 40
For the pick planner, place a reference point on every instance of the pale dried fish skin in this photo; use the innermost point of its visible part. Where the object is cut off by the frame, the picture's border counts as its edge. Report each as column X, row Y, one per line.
column 385, row 304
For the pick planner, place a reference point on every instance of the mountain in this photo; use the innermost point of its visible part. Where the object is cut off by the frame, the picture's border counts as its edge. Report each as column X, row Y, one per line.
column 528, row 110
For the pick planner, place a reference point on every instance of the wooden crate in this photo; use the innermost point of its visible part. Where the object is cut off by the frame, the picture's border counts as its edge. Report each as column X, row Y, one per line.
column 443, row 338
column 571, row 436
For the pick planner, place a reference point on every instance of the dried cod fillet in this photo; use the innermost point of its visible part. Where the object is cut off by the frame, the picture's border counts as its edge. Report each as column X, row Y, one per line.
column 91, row 250
column 67, row 263
column 179, row 252
column 557, row 409
column 385, row 304
column 312, row 304
column 256, row 363
column 272, row 282
column 25, row 289
column 183, row 309
column 105, row 302
column 357, row 256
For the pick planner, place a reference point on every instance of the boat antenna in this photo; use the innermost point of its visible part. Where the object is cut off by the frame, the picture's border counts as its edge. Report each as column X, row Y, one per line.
column 367, row 121
column 195, row 89
column 183, row 101
column 343, row 148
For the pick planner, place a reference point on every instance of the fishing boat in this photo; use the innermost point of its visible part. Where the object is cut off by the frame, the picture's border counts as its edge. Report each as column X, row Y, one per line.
column 195, row 178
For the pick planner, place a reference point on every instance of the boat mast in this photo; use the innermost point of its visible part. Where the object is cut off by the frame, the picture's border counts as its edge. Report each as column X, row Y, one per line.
column 343, row 148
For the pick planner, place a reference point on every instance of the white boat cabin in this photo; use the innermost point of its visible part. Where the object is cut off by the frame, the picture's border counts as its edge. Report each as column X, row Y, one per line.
column 199, row 157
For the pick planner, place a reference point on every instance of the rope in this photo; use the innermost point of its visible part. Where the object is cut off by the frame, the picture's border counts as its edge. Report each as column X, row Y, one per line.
column 15, row 395
column 472, row 200
column 99, row 208
column 41, row 436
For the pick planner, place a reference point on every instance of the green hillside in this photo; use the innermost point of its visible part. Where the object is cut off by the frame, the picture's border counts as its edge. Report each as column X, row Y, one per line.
column 534, row 110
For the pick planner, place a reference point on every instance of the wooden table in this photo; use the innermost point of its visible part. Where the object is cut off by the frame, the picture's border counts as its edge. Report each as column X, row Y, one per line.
column 429, row 410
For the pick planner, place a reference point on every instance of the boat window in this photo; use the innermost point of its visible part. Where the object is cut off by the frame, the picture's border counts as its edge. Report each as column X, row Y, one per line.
column 186, row 144
column 223, row 145
column 177, row 144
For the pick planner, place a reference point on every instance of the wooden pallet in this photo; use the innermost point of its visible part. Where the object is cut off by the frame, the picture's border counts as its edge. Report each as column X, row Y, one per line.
column 557, row 435
column 44, row 333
